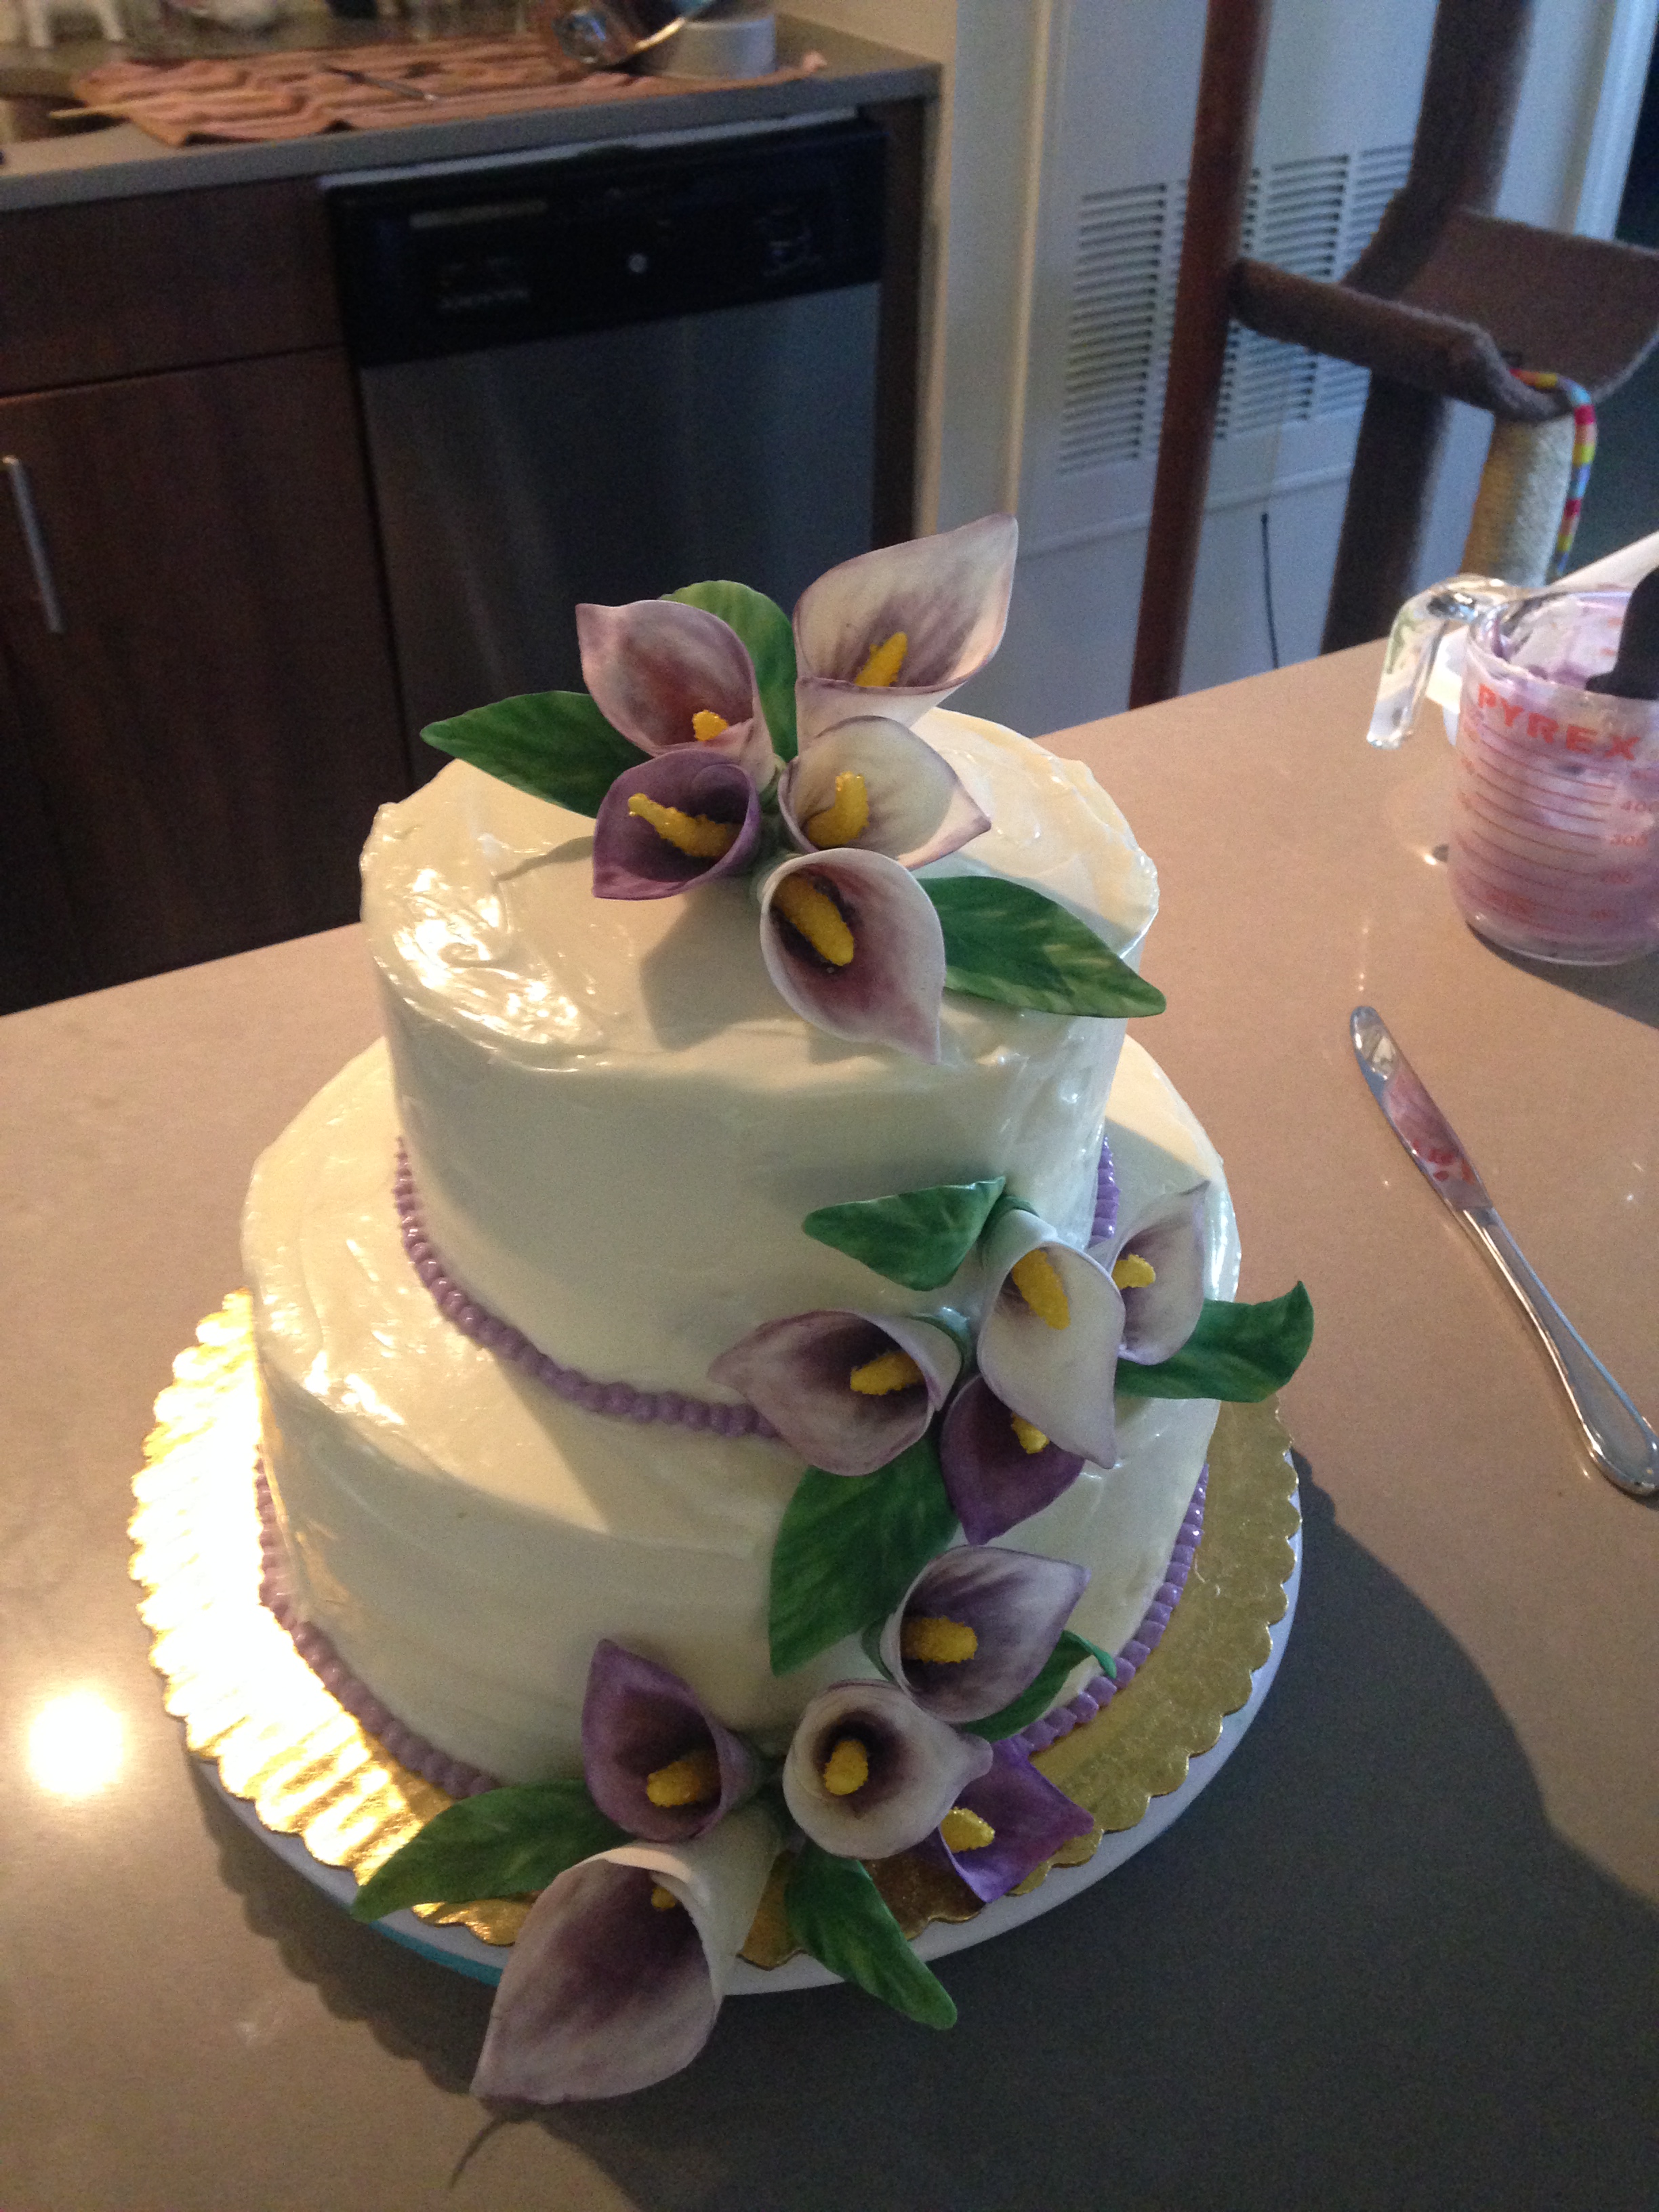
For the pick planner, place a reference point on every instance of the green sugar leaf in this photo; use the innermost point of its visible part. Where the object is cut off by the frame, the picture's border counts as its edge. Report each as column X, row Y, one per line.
column 1006, row 941
column 553, row 744
column 835, row 1912
column 849, row 1548
column 498, row 1845
column 1240, row 1352
column 770, row 635
column 919, row 1237
column 1069, row 1652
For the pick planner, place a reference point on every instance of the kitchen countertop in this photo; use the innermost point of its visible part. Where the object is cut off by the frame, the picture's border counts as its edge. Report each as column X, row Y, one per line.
column 124, row 161
column 1401, row 1954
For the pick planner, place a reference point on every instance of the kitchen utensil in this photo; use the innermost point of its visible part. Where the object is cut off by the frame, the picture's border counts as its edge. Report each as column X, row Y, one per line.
column 381, row 83
column 1621, row 1443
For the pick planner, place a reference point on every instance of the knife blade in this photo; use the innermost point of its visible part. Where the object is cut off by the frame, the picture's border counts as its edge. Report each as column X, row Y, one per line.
column 1623, row 1446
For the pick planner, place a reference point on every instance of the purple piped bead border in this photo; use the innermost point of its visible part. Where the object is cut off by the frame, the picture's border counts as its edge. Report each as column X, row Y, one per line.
column 316, row 1650
column 1141, row 1646
column 1105, row 1197
column 621, row 1400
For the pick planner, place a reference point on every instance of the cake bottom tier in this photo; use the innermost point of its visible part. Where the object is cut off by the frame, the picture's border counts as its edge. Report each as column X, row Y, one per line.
column 465, row 1538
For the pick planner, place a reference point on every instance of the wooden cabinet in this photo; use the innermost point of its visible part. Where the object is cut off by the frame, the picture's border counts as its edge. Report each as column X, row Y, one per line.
column 191, row 762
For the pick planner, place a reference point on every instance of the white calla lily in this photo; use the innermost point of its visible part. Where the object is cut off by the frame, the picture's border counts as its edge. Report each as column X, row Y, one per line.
column 896, row 630
column 1048, row 1342
column 618, row 1972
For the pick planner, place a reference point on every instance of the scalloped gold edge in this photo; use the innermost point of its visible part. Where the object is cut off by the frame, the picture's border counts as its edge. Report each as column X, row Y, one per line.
column 250, row 1703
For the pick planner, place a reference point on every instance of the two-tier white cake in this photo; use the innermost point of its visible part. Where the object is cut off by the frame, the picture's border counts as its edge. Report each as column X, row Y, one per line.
column 615, row 1127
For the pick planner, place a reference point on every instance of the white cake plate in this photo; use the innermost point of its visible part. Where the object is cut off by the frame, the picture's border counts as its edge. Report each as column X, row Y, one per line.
column 459, row 1948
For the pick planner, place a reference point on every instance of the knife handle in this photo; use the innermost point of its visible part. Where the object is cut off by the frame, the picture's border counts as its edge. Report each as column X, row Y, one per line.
column 1623, row 1445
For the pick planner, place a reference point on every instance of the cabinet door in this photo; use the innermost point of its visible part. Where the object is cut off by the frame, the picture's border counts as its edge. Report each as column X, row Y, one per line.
column 39, row 943
column 216, row 721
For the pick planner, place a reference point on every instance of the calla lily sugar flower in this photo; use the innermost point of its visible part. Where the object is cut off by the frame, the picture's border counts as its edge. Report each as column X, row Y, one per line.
column 999, row 1469
column 872, row 783
column 847, row 1391
column 1048, row 1342
column 977, row 1626
column 618, row 1974
column 896, row 630
column 1005, row 1824
column 869, row 1772
column 1157, row 1262
column 853, row 942
column 680, row 819
column 668, row 675
column 656, row 1761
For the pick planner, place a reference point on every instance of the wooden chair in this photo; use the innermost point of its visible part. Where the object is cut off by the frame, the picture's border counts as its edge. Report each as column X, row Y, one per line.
column 1443, row 305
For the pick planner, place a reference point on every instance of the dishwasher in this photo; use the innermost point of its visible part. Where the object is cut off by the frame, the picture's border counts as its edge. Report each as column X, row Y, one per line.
column 601, row 375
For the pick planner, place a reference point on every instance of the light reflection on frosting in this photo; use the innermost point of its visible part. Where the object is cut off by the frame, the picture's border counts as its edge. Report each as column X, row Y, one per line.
column 76, row 1745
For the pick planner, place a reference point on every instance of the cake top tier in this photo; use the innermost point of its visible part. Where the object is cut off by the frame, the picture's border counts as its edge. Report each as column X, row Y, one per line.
column 479, row 906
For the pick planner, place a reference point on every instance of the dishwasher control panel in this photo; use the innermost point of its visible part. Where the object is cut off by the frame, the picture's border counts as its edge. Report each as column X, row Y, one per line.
column 440, row 265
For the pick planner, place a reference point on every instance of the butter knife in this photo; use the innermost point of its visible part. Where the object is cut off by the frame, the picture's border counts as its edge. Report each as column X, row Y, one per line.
column 1621, row 1443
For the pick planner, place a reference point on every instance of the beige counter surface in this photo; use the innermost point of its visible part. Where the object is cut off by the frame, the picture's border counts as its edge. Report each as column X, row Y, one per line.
column 1403, row 1952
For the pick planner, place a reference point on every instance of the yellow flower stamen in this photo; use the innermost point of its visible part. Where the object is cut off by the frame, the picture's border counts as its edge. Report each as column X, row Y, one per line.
column 963, row 1831
column 846, row 1768
column 1132, row 1272
column 694, row 835
column 693, row 1780
column 664, row 1900
column 885, row 661
column 848, row 819
column 1037, row 1280
column 932, row 1636
column 1029, row 1437
column 706, row 723
column 887, row 1371
column 817, row 916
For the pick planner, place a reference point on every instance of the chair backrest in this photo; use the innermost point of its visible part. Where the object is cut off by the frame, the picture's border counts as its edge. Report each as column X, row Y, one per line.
column 1476, row 58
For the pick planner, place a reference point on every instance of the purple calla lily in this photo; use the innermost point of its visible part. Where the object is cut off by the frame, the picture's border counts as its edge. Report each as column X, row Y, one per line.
column 656, row 667
column 872, row 783
column 847, row 1391
column 1048, row 1342
column 976, row 1627
column 690, row 796
column 1028, row 1819
column 898, row 629
column 994, row 1476
column 853, row 942
column 869, row 1772
column 657, row 1761
column 618, row 1972
column 1167, row 1239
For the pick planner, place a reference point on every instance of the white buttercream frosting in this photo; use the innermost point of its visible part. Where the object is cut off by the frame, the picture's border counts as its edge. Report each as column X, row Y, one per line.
column 617, row 1127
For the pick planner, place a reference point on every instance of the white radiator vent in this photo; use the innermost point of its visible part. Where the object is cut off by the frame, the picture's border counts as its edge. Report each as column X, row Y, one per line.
column 1312, row 217
column 1117, row 343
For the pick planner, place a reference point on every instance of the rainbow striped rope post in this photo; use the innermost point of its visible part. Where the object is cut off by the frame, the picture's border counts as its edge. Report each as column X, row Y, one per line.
column 1583, row 452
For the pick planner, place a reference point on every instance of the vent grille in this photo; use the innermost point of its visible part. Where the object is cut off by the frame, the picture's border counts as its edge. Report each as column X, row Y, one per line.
column 1117, row 344
column 1312, row 217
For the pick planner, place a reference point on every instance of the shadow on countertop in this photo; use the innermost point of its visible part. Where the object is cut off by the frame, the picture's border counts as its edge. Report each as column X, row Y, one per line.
column 1361, row 1975
column 1631, row 986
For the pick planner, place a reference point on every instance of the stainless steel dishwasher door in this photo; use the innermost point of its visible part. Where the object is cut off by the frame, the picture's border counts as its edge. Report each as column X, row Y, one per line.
column 611, row 465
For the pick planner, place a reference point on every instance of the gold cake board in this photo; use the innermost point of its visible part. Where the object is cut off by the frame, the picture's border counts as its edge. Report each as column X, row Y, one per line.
column 297, row 1767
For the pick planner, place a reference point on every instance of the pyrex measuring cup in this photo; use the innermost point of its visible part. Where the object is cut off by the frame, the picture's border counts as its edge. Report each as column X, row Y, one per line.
column 1554, row 844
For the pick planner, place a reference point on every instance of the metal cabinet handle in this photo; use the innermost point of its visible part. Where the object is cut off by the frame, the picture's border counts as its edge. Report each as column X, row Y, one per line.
column 28, row 521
